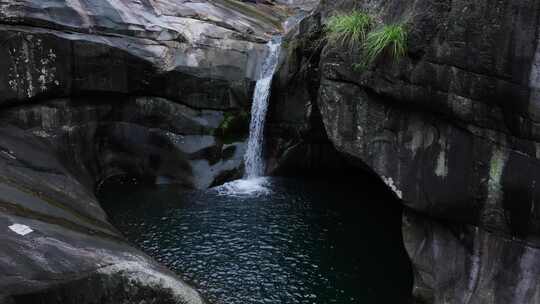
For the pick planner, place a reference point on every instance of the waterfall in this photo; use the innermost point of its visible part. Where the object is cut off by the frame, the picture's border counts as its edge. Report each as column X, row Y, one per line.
column 253, row 183
column 254, row 161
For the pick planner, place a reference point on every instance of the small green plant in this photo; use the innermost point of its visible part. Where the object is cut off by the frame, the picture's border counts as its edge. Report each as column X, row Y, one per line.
column 233, row 127
column 389, row 38
column 349, row 29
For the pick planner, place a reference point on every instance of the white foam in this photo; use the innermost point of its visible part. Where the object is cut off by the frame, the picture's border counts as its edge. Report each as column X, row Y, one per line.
column 20, row 229
column 245, row 187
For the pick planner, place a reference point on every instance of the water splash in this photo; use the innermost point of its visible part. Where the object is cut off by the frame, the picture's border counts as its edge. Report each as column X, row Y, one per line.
column 255, row 166
column 252, row 187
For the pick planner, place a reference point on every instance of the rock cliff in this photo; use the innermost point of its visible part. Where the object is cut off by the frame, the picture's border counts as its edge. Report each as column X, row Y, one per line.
column 451, row 129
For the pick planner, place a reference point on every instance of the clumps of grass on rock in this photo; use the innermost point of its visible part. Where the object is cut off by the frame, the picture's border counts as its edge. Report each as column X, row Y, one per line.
column 349, row 29
column 358, row 30
column 388, row 38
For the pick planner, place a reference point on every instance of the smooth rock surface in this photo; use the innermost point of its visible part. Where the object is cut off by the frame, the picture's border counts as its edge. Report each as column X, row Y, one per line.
column 72, row 254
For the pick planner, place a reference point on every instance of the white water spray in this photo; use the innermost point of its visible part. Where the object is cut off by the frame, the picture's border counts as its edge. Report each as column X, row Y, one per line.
column 254, row 161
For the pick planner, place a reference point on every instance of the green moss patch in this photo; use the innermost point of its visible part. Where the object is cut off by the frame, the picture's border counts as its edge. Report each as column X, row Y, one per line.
column 234, row 127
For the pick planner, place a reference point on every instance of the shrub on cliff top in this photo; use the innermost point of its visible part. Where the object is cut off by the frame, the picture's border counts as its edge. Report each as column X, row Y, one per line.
column 349, row 29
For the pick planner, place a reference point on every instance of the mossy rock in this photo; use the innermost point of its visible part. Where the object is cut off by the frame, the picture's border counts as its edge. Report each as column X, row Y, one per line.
column 234, row 127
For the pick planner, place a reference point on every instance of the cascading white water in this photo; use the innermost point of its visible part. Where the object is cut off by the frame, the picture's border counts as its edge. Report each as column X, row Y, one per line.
column 253, row 183
column 254, row 161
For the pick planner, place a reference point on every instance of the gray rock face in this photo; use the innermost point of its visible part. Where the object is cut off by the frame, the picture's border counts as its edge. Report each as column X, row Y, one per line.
column 57, row 246
column 450, row 129
column 148, row 137
column 94, row 89
column 187, row 51
column 297, row 140
column 467, row 264
column 304, row 5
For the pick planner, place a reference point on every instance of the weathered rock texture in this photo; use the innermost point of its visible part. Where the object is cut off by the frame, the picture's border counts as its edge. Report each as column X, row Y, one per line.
column 92, row 89
column 73, row 255
column 452, row 129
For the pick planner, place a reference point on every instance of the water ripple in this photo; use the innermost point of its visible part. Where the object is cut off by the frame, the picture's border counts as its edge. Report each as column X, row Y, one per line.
column 266, row 241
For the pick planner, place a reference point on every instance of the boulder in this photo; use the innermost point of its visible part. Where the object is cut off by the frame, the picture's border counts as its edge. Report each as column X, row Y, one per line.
column 57, row 245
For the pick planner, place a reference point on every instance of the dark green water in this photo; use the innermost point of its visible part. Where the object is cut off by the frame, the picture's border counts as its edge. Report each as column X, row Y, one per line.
column 290, row 242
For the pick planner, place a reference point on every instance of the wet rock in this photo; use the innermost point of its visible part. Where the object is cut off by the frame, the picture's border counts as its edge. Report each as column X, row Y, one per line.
column 449, row 128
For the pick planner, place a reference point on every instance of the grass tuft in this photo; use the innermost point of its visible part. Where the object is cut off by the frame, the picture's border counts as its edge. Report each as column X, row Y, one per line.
column 389, row 38
column 349, row 29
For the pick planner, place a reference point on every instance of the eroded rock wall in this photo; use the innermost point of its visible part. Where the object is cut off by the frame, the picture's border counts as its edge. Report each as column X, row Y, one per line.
column 450, row 129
